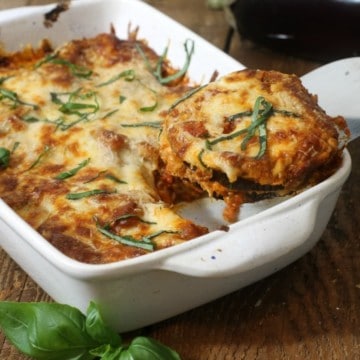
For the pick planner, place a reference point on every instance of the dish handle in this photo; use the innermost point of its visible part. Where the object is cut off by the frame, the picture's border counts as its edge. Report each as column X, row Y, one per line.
column 271, row 240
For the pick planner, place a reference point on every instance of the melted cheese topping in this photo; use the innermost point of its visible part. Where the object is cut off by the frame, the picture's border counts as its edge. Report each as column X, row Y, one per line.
column 95, row 151
column 83, row 124
column 251, row 131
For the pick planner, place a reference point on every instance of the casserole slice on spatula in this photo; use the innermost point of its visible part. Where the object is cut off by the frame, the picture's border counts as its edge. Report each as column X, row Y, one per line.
column 249, row 135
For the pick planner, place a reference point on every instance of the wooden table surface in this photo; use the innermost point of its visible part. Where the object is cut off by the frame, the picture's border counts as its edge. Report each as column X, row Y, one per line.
column 309, row 310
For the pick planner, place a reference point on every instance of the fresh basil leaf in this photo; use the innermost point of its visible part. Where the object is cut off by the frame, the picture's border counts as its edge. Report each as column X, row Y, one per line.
column 48, row 331
column 145, row 348
column 4, row 157
column 97, row 329
column 52, row 331
column 107, row 352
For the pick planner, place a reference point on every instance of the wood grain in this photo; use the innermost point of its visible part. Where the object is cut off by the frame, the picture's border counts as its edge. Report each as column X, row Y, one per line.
column 309, row 310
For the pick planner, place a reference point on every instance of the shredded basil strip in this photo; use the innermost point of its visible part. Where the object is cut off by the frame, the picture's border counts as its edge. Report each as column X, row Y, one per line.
column 96, row 176
column 114, row 178
column 201, row 153
column 30, row 119
column 4, row 157
column 110, row 113
column 157, row 71
column 4, row 78
column 149, row 108
column 42, row 154
column 155, row 104
column 66, row 174
column 186, row 96
column 144, row 243
column 262, row 140
column 153, row 124
column 286, row 113
column 128, row 75
column 16, row 144
column 76, row 70
column 128, row 240
column 71, row 107
column 107, row 176
column 262, row 111
column 239, row 115
column 81, row 195
column 130, row 216
column 231, row 136
column 14, row 98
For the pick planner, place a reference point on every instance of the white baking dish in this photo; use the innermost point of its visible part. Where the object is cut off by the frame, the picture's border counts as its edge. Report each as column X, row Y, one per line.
column 137, row 292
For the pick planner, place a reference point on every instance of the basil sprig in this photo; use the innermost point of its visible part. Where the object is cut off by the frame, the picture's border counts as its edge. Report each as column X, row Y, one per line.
column 52, row 331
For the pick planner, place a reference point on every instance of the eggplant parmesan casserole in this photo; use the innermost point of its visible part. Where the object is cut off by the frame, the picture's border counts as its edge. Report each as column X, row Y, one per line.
column 101, row 137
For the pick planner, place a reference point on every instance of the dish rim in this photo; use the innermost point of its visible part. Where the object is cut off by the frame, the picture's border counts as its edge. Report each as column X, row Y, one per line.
column 153, row 260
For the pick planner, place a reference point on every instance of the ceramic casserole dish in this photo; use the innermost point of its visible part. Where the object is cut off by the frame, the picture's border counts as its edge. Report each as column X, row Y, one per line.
column 137, row 292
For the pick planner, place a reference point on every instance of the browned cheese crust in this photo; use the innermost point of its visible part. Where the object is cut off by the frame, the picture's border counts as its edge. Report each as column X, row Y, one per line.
column 250, row 133
column 90, row 109
column 95, row 151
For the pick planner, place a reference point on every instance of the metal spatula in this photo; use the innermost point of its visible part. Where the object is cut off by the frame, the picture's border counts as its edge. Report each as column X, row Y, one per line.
column 337, row 85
